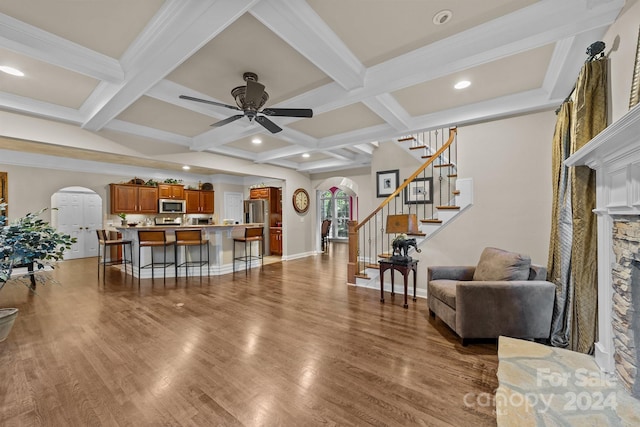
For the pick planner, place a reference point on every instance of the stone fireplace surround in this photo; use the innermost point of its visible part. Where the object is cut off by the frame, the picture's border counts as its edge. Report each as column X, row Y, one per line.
column 615, row 156
column 626, row 301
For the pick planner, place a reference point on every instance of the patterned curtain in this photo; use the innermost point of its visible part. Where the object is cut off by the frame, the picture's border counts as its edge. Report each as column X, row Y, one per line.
column 573, row 247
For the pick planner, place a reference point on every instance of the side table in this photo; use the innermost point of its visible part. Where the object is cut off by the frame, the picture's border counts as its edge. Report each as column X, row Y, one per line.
column 402, row 267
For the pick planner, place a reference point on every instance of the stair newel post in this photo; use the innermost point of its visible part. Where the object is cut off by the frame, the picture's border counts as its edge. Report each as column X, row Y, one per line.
column 352, row 264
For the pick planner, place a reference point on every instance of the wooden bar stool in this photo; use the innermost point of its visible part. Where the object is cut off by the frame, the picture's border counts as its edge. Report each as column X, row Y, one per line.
column 153, row 239
column 104, row 242
column 250, row 235
column 186, row 239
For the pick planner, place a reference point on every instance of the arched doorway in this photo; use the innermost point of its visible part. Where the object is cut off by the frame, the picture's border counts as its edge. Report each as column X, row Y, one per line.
column 77, row 211
column 337, row 201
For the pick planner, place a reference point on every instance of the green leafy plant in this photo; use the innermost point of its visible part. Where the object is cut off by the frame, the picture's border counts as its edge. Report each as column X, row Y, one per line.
column 30, row 240
column 122, row 215
column 151, row 183
column 172, row 181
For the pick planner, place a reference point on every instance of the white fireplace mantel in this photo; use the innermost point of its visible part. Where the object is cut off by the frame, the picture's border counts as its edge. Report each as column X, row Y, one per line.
column 615, row 156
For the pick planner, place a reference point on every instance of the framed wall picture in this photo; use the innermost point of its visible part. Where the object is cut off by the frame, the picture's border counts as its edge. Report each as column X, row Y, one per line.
column 387, row 182
column 419, row 191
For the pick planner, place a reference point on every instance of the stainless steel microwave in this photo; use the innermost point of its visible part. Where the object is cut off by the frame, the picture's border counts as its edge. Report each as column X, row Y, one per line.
column 171, row 206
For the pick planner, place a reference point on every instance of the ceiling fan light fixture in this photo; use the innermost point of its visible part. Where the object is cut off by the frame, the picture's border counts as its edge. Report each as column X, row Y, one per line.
column 442, row 17
column 12, row 71
column 462, row 84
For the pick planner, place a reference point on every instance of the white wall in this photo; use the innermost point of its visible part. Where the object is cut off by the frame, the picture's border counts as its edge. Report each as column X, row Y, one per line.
column 621, row 41
column 510, row 163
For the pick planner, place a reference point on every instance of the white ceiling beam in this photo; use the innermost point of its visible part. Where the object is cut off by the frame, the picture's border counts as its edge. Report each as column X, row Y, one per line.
column 301, row 27
column 147, row 132
column 567, row 59
column 31, row 106
column 389, row 110
column 520, row 103
column 186, row 25
column 44, row 46
column 340, row 154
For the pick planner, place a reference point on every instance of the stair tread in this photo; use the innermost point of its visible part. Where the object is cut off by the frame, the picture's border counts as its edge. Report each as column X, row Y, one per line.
column 456, row 192
column 362, row 276
column 453, row 175
column 448, row 207
column 385, row 255
column 372, row 266
column 431, row 221
column 444, row 165
column 408, row 138
column 417, row 234
column 426, row 157
column 418, row 147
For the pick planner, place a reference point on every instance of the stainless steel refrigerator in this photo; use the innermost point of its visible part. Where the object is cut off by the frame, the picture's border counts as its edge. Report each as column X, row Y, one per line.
column 257, row 211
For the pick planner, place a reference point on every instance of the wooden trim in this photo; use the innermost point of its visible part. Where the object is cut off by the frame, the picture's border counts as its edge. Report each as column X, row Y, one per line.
column 451, row 208
column 431, row 221
column 452, row 134
column 418, row 147
column 408, row 138
column 445, row 165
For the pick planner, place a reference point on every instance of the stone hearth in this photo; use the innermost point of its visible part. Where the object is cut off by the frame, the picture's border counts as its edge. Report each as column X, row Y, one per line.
column 626, row 301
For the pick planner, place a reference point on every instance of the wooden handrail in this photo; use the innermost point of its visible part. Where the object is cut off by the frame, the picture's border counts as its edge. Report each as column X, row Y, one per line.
column 452, row 134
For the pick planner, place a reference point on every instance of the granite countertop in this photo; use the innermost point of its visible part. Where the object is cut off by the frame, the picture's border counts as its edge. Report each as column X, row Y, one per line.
column 173, row 226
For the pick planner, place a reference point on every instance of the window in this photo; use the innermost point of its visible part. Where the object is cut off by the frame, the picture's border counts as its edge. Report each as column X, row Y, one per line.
column 335, row 205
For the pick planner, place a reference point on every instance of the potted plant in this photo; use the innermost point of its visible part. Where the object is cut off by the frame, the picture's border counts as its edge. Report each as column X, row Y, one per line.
column 123, row 218
column 27, row 241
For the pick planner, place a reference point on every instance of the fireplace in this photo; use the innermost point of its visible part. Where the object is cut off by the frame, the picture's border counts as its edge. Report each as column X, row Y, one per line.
column 626, row 301
column 615, row 156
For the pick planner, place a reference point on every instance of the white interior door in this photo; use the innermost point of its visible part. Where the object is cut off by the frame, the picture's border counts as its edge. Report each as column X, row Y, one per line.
column 79, row 215
column 233, row 207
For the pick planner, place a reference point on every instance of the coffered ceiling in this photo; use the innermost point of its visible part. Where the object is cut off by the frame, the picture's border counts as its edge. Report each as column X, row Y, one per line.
column 371, row 70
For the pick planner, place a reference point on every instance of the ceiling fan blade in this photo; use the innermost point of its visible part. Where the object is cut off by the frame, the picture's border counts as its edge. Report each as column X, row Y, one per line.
column 268, row 124
column 253, row 95
column 288, row 112
column 227, row 120
column 205, row 101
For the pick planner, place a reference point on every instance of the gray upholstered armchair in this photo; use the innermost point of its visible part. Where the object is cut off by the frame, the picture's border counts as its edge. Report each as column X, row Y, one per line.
column 503, row 295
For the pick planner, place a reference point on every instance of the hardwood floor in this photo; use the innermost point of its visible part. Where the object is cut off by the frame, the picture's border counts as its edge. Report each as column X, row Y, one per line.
column 291, row 345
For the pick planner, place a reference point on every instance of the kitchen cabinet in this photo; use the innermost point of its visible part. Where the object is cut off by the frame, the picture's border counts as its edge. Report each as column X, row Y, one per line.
column 199, row 201
column 272, row 194
column 275, row 241
column 130, row 198
column 171, row 191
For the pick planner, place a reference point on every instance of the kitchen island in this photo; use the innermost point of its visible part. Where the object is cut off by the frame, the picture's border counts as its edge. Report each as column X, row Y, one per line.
column 220, row 248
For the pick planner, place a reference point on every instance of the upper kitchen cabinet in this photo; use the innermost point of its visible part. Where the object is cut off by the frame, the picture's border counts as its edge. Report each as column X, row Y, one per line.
column 272, row 194
column 171, row 191
column 199, row 201
column 129, row 198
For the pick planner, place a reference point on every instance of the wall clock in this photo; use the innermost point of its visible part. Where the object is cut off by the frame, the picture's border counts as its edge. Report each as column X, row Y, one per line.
column 301, row 200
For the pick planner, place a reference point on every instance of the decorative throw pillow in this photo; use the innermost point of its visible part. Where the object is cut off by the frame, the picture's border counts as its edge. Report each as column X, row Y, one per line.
column 496, row 264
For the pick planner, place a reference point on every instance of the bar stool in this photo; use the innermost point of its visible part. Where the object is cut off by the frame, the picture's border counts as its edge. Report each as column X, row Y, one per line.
column 104, row 242
column 186, row 239
column 153, row 239
column 250, row 235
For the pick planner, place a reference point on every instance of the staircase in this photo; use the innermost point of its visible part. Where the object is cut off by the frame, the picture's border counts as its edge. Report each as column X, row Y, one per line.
column 434, row 197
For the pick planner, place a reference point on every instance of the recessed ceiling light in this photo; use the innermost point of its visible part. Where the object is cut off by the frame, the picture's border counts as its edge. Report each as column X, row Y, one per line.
column 256, row 141
column 11, row 70
column 185, row 167
column 442, row 17
column 462, row 84
column 306, row 155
